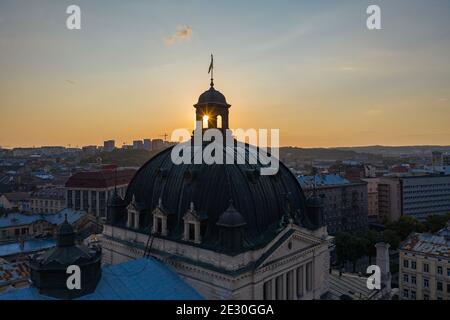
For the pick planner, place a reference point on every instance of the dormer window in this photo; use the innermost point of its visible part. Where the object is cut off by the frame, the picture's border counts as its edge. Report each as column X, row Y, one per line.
column 160, row 220
column 133, row 215
column 192, row 224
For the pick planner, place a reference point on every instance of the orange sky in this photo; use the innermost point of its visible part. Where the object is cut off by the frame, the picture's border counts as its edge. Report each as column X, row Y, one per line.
column 317, row 75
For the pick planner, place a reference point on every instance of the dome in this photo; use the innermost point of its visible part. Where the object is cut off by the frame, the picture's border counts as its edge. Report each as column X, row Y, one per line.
column 260, row 200
column 212, row 96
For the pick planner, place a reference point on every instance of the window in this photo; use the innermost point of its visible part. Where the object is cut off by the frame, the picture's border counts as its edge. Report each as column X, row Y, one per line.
column 413, row 279
column 300, row 282
column 448, row 272
column 426, row 267
column 448, row 287
column 439, row 286
column 413, row 265
column 405, row 263
column 426, row 283
column 439, row 270
column 191, row 232
column 413, row 295
column 426, row 297
column 17, row 232
column 405, row 293
column 405, row 278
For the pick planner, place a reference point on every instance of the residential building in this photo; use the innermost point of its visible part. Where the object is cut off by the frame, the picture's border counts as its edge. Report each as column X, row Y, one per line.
column 15, row 201
column 372, row 198
column 148, row 144
column 109, row 145
column 158, row 144
column 437, row 159
column 389, row 198
column 16, row 226
column 49, row 200
column 425, row 266
column 90, row 190
column 345, row 202
column 138, row 145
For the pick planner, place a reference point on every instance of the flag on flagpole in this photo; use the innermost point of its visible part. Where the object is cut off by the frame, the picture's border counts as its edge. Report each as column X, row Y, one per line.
column 211, row 65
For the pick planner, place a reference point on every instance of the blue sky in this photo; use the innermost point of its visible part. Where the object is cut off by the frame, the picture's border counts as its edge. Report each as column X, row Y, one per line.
column 310, row 68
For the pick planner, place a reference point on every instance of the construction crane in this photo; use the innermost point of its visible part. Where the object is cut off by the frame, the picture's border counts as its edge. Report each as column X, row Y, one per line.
column 165, row 135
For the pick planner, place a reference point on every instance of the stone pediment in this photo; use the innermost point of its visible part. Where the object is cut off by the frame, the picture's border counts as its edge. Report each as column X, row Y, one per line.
column 158, row 211
column 291, row 242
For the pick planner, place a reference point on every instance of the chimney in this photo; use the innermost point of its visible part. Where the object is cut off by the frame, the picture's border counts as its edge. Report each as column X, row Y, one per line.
column 383, row 263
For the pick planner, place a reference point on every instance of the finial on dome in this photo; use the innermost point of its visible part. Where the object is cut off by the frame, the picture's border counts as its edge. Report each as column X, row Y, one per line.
column 192, row 206
column 211, row 71
column 160, row 202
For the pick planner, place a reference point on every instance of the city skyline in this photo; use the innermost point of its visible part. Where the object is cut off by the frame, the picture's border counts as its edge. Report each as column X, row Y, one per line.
column 313, row 70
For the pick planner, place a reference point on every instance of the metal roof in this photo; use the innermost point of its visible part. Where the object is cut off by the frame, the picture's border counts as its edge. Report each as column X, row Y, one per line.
column 322, row 180
column 428, row 244
column 21, row 219
column 29, row 246
column 142, row 279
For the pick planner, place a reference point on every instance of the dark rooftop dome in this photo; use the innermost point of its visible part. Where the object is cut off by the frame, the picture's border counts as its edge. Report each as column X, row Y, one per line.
column 49, row 269
column 258, row 201
column 212, row 96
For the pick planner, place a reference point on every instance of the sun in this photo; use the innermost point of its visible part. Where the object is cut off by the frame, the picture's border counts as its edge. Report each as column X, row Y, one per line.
column 205, row 121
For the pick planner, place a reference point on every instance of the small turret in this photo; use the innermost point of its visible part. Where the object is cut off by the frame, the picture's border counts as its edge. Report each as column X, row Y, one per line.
column 231, row 235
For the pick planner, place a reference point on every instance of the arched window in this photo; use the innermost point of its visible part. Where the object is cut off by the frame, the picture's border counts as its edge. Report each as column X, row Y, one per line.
column 205, row 122
column 219, row 121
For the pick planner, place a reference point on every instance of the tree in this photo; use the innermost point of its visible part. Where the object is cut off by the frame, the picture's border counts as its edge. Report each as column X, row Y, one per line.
column 405, row 226
column 391, row 237
column 434, row 223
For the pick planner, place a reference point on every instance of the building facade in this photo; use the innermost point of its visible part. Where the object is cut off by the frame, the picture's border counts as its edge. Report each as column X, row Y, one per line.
column 50, row 200
column 90, row 191
column 345, row 203
column 372, row 198
column 109, row 145
column 389, row 199
column 425, row 267
column 425, row 195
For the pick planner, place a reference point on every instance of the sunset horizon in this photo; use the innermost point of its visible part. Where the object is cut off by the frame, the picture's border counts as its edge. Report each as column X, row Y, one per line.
column 313, row 71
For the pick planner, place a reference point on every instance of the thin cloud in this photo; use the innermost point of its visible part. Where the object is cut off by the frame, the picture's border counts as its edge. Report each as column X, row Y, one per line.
column 183, row 33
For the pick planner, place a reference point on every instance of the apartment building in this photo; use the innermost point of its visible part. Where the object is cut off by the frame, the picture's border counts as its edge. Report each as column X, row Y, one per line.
column 424, row 272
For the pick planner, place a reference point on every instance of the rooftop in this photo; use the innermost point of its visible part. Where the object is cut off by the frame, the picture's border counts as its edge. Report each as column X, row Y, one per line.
column 322, row 180
column 348, row 286
column 100, row 178
column 13, row 272
column 21, row 219
column 435, row 244
column 142, row 279
column 29, row 246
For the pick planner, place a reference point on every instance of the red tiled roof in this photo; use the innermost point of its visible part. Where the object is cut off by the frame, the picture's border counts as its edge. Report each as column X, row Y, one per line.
column 100, row 179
